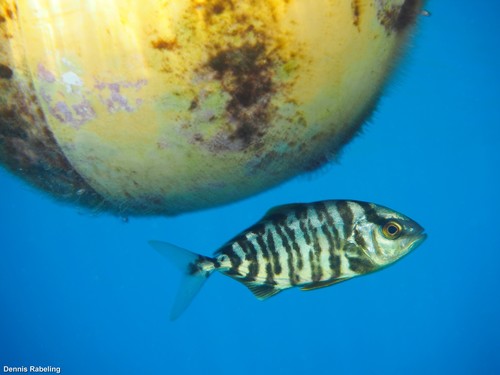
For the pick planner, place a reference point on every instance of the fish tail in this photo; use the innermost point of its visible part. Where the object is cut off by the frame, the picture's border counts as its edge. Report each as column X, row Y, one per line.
column 196, row 270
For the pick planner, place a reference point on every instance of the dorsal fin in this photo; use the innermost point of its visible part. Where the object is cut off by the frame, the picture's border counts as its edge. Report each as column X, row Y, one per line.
column 322, row 284
column 283, row 209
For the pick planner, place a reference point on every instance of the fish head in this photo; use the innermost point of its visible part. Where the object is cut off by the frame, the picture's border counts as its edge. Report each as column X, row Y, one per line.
column 389, row 235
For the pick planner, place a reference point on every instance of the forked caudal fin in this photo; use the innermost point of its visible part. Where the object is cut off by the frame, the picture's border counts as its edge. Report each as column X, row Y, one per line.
column 194, row 274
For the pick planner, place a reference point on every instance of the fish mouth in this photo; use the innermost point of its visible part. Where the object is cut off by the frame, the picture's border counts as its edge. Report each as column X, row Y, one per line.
column 416, row 241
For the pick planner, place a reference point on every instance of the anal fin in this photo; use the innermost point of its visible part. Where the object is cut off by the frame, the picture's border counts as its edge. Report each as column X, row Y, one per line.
column 263, row 292
column 322, row 284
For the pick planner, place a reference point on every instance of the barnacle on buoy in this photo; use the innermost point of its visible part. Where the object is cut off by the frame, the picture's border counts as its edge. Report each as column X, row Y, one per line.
column 156, row 107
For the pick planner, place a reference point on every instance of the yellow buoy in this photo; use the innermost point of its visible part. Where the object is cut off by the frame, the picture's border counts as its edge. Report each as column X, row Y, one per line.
column 162, row 107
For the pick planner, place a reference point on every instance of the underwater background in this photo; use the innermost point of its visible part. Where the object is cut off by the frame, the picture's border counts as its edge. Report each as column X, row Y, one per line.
column 87, row 294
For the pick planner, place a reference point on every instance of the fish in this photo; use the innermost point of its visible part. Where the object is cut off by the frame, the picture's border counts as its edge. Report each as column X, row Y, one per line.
column 300, row 245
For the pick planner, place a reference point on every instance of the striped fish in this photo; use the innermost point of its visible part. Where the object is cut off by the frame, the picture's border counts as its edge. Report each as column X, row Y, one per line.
column 310, row 246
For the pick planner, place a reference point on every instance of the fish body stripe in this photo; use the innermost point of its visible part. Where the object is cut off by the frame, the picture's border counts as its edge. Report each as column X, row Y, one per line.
column 234, row 258
column 287, row 255
column 265, row 270
column 270, row 275
column 316, row 251
column 304, row 231
column 333, row 257
column 331, row 234
column 260, row 244
column 347, row 217
column 332, row 222
column 273, row 250
column 251, row 259
column 265, row 255
column 295, row 245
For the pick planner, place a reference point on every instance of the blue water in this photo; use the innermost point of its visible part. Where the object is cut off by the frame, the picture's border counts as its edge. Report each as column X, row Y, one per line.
column 87, row 294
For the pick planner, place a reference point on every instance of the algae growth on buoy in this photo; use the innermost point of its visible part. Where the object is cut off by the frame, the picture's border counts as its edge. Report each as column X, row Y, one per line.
column 150, row 107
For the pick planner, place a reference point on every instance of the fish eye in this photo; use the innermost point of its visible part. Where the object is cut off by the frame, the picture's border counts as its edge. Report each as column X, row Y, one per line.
column 392, row 230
